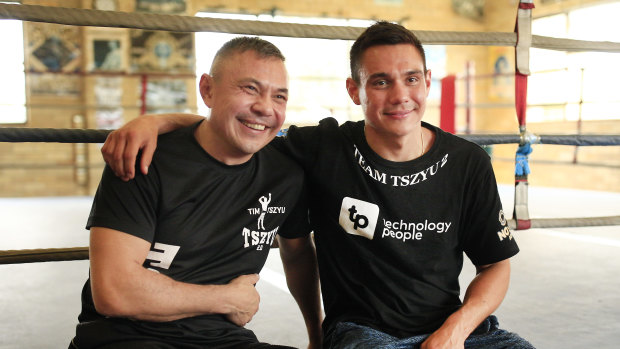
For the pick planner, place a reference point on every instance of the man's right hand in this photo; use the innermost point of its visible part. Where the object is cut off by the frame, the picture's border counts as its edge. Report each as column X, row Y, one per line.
column 122, row 146
column 245, row 299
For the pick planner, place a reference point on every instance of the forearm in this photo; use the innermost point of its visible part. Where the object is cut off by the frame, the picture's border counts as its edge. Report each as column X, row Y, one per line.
column 122, row 287
column 147, row 295
column 302, row 277
column 482, row 297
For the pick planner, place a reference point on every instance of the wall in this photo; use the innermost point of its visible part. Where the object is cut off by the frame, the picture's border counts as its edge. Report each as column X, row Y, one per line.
column 41, row 169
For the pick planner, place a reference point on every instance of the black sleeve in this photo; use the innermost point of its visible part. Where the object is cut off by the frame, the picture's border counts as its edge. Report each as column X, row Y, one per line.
column 302, row 143
column 487, row 238
column 130, row 207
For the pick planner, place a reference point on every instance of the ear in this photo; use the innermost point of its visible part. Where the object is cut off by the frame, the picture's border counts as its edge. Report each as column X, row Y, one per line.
column 354, row 91
column 428, row 82
column 206, row 89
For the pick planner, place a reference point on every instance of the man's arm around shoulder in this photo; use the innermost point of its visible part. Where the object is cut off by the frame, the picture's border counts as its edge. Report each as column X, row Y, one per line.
column 122, row 146
column 122, row 287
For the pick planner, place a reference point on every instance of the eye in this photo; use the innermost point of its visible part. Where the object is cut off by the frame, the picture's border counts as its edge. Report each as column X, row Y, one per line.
column 250, row 88
column 412, row 79
column 380, row 83
column 280, row 98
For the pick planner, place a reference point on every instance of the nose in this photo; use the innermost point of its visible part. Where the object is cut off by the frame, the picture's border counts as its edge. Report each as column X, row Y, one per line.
column 399, row 93
column 263, row 105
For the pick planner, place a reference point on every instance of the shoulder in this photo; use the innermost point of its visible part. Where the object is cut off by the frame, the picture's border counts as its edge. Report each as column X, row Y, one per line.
column 304, row 143
column 182, row 135
column 457, row 144
column 326, row 126
column 273, row 156
column 177, row 143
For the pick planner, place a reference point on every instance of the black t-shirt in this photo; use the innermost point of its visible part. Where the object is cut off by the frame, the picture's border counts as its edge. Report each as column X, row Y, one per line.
column 390, row 236
column 207, row 222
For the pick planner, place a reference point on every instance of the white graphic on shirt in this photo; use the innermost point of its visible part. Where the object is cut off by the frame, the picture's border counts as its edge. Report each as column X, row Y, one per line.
column 373, row 173
column 505, row 233
column 264, row 202
column 399, row 181
column 358, row 217
column 161, row 255
column 264, row 209
column 260, row 237
column 405, row 231
column 502, row 217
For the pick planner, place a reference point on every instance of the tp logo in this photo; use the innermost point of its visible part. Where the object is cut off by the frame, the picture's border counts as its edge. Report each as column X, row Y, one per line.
column 358, row 217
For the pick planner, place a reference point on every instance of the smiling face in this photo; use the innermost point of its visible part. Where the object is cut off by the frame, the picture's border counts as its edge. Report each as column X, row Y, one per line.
column 247, row 95
column 392, row 90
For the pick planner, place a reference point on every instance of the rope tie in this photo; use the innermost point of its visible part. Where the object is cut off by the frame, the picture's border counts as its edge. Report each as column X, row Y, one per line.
column 522, row 167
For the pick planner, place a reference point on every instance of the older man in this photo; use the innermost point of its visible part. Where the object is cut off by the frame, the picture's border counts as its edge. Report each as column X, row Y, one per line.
column 175, row 253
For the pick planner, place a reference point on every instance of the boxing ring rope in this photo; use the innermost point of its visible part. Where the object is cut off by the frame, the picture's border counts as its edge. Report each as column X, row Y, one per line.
column 148, row 21
column 521, row 39
column 43, row 255
column 70, row 135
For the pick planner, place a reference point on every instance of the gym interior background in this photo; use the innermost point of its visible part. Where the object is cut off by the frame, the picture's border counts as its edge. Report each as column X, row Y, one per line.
column 93, row 77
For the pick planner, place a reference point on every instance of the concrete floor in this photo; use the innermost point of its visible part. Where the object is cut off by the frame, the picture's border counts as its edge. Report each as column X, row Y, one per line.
column 564, row 288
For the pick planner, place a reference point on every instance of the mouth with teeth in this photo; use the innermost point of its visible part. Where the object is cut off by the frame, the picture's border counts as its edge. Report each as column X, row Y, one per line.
column 257, row 127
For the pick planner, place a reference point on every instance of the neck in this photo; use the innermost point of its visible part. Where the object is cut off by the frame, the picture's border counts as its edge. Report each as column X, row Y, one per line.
column 397, row 148
column 217, row 146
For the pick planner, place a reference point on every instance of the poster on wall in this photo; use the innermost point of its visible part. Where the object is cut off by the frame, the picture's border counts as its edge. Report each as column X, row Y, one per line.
column 161, row 6
column 109, row 119
column 106, row 49
column 108, row 97
column 105, row 5
column 53, row 54
column 108, row 91
column 158, row 51
column 54, row 84
column 52, row 47
column 501, row 60
column 166, row 96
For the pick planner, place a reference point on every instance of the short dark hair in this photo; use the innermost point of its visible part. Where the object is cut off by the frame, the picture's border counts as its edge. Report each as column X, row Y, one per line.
column 263, row 48
column 381, row 33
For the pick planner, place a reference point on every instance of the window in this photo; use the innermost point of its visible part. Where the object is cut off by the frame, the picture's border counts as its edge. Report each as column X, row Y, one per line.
column 561, row 82
column 13, row 82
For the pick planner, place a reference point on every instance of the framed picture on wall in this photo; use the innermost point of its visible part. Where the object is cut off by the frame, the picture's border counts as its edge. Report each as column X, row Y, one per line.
column 59, row 85
column 107, row 49
column 161, row 6
column 501, row 62
column 52, row 47
column 166, row 95
column 105, row 5
column 158, row 51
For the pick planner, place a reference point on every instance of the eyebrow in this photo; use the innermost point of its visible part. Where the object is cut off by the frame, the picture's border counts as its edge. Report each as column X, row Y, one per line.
column 254, row 81
column 385, row 75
